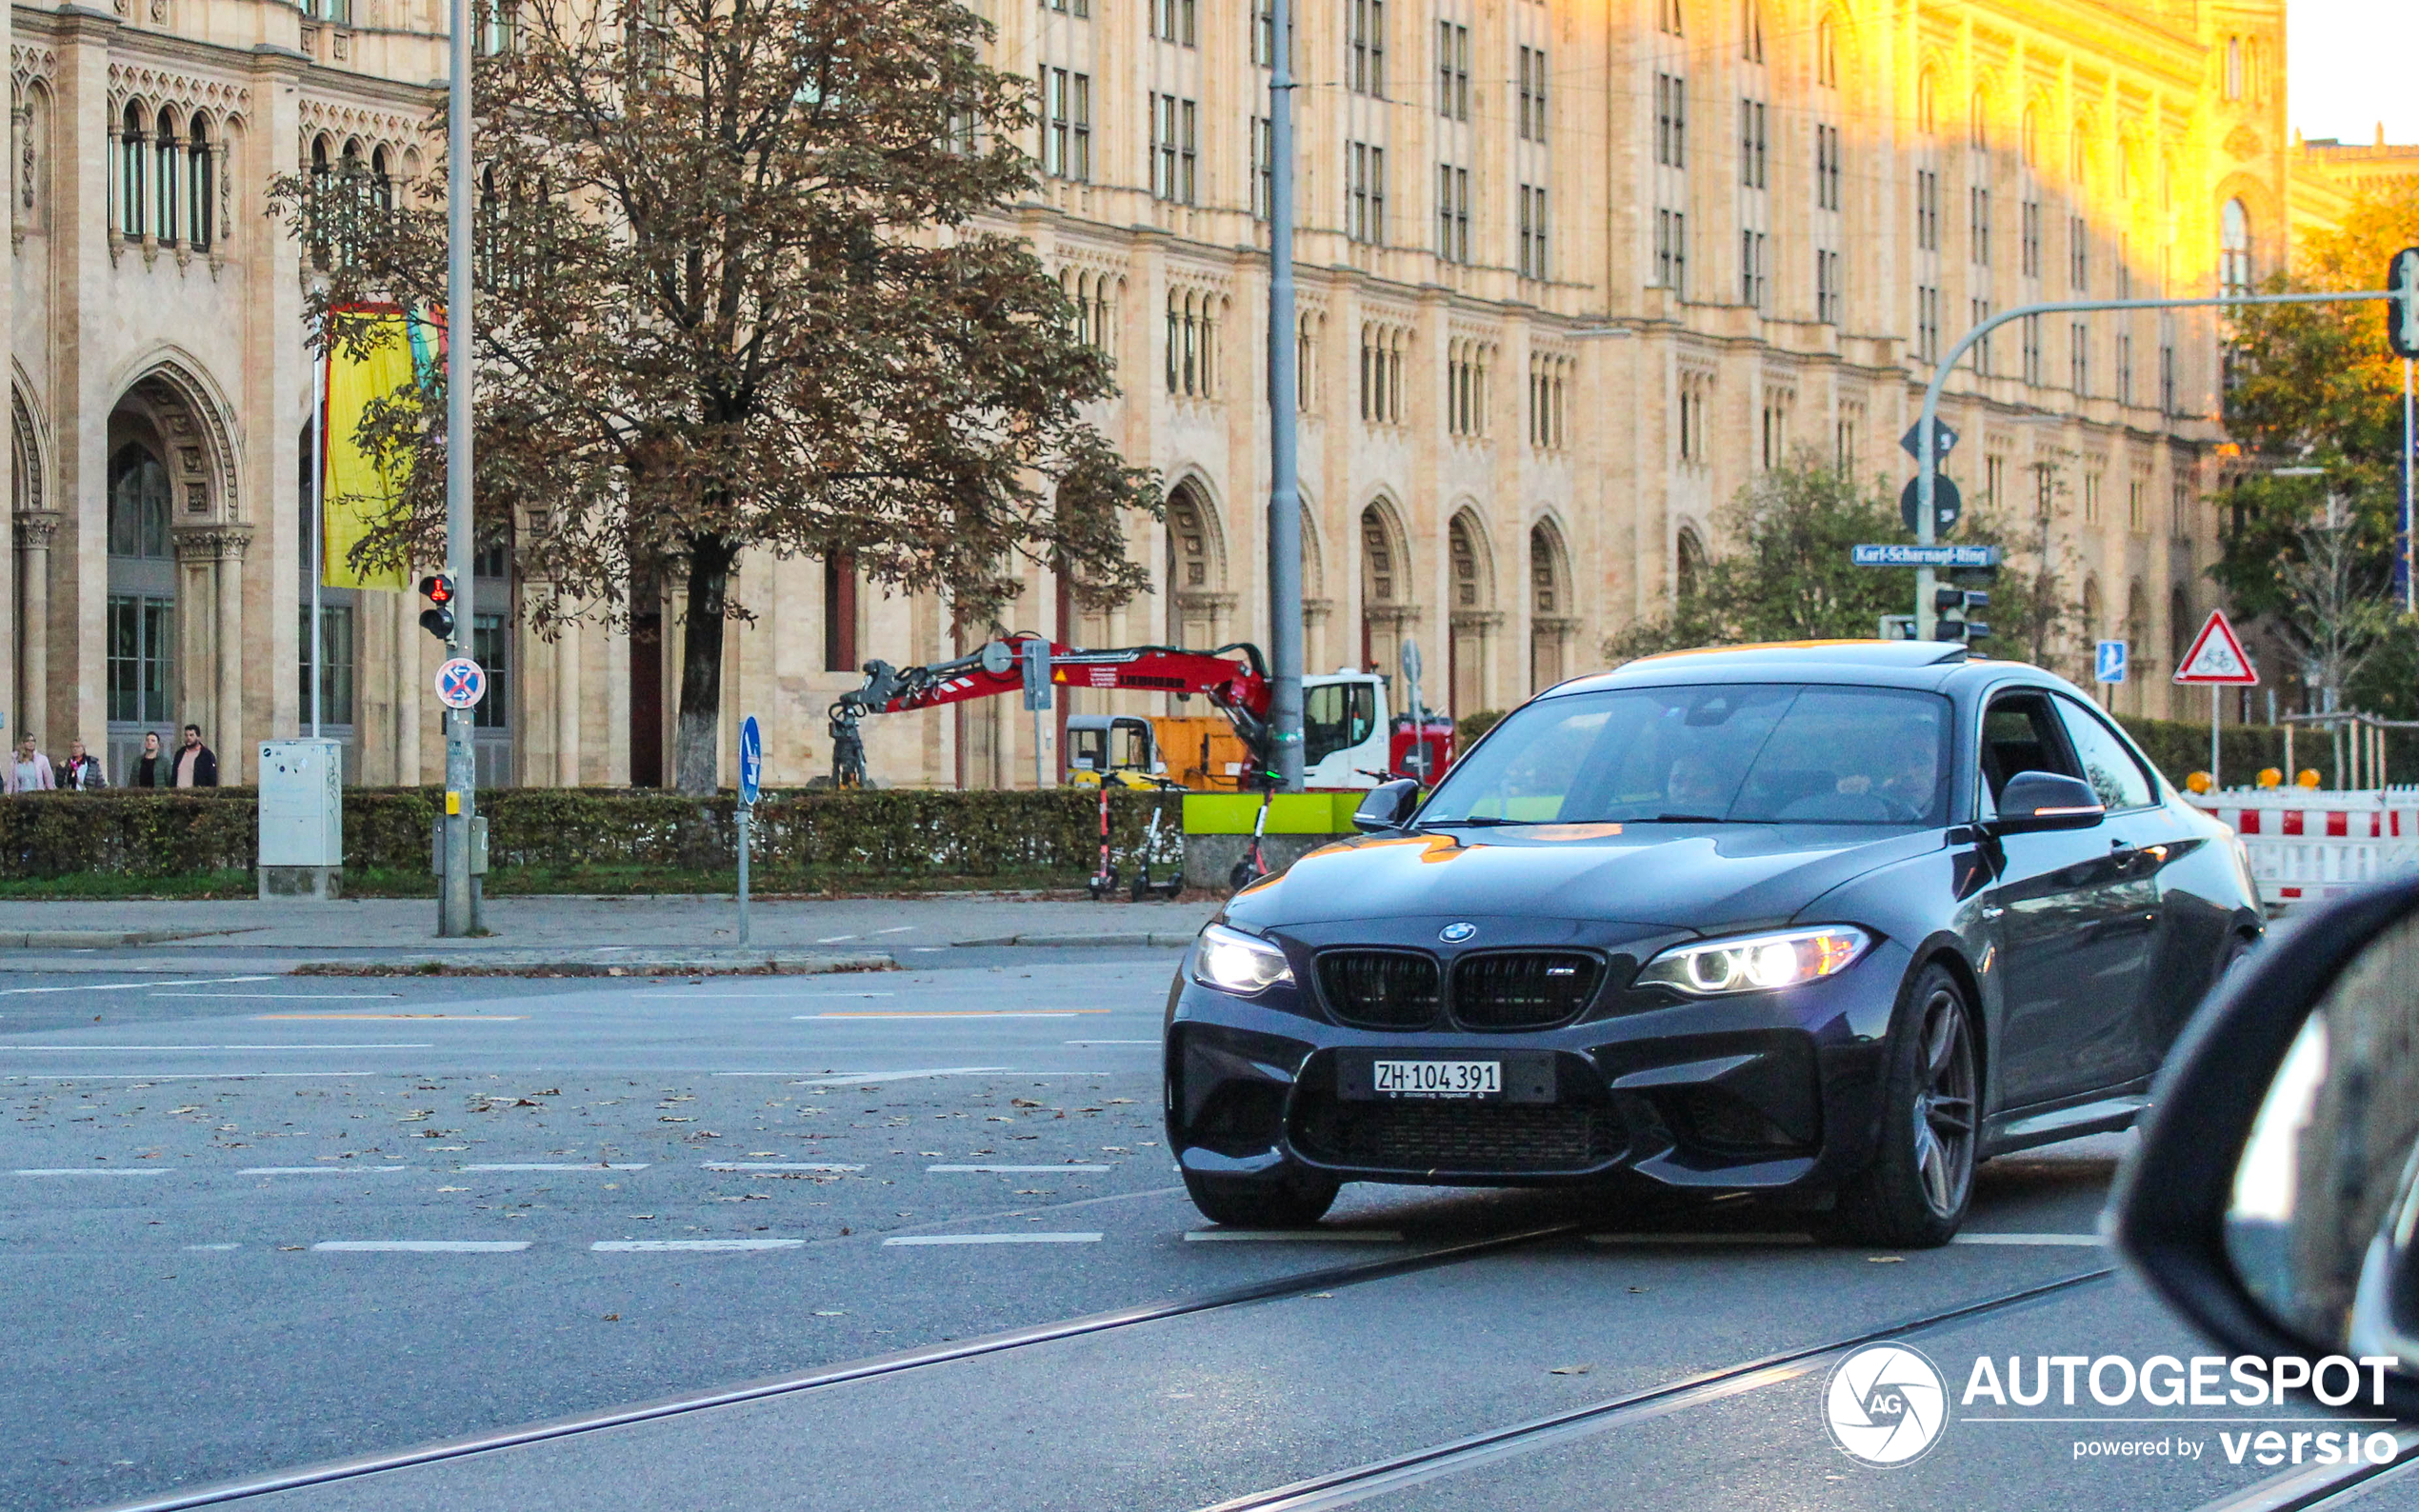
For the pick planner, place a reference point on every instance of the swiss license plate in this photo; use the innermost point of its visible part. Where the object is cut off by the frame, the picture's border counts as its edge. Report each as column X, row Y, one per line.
column 1437, row 1078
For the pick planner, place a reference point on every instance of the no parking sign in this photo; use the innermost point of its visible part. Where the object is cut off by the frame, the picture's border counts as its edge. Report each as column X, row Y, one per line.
column 461, row 682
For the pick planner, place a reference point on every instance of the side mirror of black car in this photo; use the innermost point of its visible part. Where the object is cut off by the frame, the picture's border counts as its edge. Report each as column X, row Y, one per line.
column 2274, row 1200
column 2047, row 801
column 1387, row 806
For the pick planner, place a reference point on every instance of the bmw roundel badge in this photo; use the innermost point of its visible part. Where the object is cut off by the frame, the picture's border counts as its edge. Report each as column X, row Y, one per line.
column 1456, row 933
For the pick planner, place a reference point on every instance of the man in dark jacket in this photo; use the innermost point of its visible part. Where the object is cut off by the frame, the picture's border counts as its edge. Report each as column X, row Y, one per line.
column 196, row 766
column 151, row 770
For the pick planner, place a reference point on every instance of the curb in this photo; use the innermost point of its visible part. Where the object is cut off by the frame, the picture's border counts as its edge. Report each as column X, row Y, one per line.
column 1158, row 939
column 535, row 963
column 100, row 939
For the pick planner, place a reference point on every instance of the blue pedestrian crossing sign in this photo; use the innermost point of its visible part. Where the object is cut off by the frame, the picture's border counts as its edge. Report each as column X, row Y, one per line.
column 751, row 758
column 2107, row 661
column 461, row 682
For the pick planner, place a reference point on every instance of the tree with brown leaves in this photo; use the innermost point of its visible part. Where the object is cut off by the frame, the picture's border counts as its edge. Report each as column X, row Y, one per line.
column 734, row 297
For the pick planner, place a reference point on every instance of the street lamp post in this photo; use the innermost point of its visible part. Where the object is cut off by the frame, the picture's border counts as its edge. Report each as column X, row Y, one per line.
column 1285, row 490
column 1927, row 460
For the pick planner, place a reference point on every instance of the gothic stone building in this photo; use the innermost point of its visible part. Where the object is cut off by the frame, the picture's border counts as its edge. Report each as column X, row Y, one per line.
column 1571, row 275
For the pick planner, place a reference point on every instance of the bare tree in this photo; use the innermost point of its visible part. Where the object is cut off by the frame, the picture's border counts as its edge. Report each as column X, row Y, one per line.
column 734, row 299
column 2336, row 613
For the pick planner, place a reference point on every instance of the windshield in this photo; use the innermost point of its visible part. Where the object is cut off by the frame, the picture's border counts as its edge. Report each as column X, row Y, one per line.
column 1735, row 753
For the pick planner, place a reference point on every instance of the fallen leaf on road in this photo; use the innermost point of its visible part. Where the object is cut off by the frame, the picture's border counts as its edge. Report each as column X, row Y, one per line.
column 1886, row 1260
column 613, row 1316
column 1569, row 1370
column 1021, row 1102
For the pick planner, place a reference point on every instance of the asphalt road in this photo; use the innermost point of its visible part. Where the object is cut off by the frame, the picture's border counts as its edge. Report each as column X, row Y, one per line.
column 252, row 1223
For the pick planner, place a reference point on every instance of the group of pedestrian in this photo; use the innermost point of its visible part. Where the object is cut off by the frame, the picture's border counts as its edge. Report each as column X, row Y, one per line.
column 30, row 771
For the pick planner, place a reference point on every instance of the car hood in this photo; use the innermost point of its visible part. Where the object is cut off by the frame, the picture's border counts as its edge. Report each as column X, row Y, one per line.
column 1703, row 877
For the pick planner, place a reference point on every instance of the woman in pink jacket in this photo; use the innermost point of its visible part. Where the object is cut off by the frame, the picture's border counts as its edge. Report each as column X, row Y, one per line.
column 28, row 772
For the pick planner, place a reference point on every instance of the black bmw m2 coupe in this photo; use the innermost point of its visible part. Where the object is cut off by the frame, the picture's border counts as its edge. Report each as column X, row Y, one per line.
column 1829, row 923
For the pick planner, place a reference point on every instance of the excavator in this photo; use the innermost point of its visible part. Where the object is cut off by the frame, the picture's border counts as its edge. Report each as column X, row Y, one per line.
column 1348, row 740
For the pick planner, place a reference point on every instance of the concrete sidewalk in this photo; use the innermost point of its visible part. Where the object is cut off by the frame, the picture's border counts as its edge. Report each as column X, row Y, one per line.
column 564, row 935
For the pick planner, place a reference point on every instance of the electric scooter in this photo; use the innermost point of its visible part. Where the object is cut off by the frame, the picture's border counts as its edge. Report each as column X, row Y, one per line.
column 1103, row 881
column 1144, row 887
column 1255, row 865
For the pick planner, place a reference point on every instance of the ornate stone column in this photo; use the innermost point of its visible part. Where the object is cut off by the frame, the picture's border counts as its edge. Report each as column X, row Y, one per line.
column 229, row 543
column 34, row 528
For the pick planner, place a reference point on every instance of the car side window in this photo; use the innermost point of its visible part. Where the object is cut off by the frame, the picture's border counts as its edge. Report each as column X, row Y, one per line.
column 2020, row 734
column 2108, row 765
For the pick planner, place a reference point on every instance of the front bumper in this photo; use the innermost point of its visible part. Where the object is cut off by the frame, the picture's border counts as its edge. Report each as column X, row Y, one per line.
column 1765, row 1091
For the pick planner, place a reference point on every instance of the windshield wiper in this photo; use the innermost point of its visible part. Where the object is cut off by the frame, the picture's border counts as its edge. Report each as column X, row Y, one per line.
column 1486, row 821
column 1684, row 819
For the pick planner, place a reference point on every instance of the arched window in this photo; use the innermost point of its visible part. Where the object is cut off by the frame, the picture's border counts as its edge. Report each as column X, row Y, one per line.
column 201, row 178
column 381, row 183
column 321, row 206
column 2234, row 249
column 1827, row 53
column 138, row 504
column 2233, row 68
column 167, row 151
column 1978, row 122
column 1689, row 564
column 1927, row 90
column 134, row 216
column 2091, row 608
column 2179, row 625
column 2031, row 136
column 1549, row 607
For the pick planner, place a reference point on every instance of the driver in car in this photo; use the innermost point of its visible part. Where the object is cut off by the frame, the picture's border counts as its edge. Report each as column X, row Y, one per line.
column 1695, row 786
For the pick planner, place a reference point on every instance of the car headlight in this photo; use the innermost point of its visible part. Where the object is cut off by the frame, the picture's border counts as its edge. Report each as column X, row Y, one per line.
column 1234, row 961
column 1756, row 963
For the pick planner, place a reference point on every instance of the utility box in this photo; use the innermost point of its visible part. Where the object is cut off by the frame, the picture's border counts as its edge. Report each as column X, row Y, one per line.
column 301, row 819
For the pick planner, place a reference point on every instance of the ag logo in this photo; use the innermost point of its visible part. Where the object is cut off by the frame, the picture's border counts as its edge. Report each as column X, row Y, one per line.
column 1886, row 1405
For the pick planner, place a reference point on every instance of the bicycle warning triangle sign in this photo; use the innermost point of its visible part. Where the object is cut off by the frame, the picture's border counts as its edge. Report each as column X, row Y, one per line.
column 2218, row 656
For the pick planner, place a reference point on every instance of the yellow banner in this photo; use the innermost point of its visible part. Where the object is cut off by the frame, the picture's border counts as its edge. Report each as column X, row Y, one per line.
column 358, row 489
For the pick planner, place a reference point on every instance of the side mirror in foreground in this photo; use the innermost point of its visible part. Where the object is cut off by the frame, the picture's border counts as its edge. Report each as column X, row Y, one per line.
column 2274, row 1200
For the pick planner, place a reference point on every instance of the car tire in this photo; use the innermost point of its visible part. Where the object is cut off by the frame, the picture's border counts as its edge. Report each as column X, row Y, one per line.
column 1297, row 1199
column 1916, row 1193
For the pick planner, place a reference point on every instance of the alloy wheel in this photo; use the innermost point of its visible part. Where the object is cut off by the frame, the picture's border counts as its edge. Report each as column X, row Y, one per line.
column 1943, row 1104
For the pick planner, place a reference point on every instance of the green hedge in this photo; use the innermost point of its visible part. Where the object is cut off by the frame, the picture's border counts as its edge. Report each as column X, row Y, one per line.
column 902, row 833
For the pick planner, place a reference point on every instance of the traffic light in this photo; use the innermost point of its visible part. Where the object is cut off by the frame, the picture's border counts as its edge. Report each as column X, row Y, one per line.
column 1953, row 611
column 2402, row 311
column 437, row 588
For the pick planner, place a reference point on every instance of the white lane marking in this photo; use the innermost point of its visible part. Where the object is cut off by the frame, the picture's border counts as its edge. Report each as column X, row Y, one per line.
column 127, row 986
column 993, row 1238
column 1111, row 1042
column 901, row 929
column 775, row 1166
column 315, row 1170
column 425, row 1246
column 1280, row 1236
column 213, row 1247
column 638, row 1166
column 649, row 1246
column 829, row 1079
column 283, row 997
column 1012, row 1171
column 458, row 1017
column 961, row 1013
column 1700, row 1238
column 834, row 939
column 792, row 997
column 94, row 1170
column 71, row 1049
column 2078, row 1241
column 172, row 1076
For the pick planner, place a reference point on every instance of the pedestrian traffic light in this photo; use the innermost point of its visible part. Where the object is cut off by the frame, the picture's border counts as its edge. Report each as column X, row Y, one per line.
column 2402, row 311
column 437, row 588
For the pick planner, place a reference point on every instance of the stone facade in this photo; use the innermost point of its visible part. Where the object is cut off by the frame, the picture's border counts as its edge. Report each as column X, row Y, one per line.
column 1569, row 277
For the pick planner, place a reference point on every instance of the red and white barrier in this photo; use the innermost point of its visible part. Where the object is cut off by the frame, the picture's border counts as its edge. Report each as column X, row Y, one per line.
column 2306, row 843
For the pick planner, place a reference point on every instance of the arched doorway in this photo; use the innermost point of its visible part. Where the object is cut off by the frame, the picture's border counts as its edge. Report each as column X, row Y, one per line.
column 172, row 640
column 1687, row 566
column 34, row 526
column 1473, row 614
column 1550, row 621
